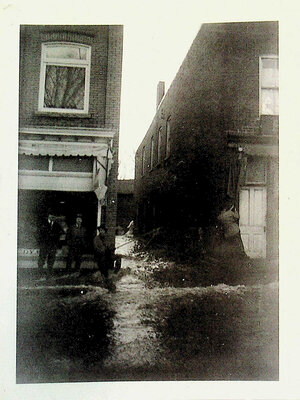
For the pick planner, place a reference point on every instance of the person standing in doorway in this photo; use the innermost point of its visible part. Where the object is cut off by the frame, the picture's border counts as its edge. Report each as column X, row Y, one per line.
column 229, row 219
column 76, row 242
column 49, row 234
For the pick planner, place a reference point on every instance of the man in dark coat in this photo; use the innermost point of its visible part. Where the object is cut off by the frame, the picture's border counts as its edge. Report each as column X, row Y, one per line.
column 76, row 241
column 105, row 256
column 49, row 234
column 103, row 251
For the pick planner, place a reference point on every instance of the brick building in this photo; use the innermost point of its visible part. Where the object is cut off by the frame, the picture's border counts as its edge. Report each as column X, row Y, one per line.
column 69, row 110
column 215, row 134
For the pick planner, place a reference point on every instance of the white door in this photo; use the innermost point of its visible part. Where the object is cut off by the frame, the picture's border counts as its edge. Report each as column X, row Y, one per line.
column 253, row 201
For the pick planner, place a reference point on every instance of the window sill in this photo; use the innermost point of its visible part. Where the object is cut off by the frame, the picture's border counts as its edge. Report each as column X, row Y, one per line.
column 53, row 114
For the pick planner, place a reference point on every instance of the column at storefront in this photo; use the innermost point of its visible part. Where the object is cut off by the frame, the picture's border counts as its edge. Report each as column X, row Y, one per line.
column 100, row 177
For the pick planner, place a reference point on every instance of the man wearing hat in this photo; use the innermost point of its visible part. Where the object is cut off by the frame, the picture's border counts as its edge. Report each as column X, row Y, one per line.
column 76, row 241
column 49, row 234
column 102, row 251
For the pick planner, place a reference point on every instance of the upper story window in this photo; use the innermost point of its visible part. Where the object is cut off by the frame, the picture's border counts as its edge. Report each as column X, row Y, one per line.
column 269, row 85
column 56, row 164
column 159, row 140
column 32, row 163
column 152, row 152
column 168, row 128
column 65, row 78
column 143, row 161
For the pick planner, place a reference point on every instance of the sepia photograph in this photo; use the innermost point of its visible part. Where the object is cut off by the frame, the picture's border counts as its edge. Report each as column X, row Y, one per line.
column 146, row 205
column 172, row 273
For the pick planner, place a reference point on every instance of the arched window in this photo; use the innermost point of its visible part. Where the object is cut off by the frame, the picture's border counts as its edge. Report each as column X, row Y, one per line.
column 65, row 78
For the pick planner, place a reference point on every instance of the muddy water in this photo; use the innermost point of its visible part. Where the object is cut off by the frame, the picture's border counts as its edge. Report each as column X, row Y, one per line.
column 84, row 332
column 135, row 342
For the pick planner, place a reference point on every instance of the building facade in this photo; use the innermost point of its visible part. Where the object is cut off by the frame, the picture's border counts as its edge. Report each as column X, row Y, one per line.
column 215, row 135
column 69, row 112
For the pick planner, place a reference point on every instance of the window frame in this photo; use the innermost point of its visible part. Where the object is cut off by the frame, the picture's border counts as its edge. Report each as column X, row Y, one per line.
column 152, row 152
column 159, row 143
column 168, row 136
column 61, row 62
column 51, row 168
column 143, row 161
column 255, row 160
column 261, row 88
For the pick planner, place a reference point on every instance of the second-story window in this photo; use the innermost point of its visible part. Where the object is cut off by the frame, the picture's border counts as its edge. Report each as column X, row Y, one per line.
column 168, row 128
column 269, row 86
column 159, row 137
column 65, row 78
column 143, row 161
column 152, row 152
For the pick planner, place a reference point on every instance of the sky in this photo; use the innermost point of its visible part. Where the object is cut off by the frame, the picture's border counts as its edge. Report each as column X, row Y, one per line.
column 150, row 56
column 157, row 37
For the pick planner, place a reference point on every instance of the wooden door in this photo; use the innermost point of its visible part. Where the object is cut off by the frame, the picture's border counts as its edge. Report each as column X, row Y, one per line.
column 253, row 201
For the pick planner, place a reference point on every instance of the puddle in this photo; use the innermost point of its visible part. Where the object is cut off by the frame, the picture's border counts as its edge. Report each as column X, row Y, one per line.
column 82, row 332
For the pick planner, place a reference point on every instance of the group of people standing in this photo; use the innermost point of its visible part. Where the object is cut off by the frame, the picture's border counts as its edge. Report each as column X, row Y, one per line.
column 76, row 240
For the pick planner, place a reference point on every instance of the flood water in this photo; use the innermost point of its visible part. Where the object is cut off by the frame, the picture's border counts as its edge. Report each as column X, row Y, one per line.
column 80, row 332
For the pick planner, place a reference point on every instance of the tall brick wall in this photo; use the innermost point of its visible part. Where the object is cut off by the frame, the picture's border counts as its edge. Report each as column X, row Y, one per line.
column 31, row 41
column 112, row 117
column 105, row 87
column 215, row 90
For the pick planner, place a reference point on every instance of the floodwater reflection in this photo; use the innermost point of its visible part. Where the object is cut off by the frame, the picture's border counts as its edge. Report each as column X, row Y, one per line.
column 62, row 335
column 81, row 332
column 217, row 334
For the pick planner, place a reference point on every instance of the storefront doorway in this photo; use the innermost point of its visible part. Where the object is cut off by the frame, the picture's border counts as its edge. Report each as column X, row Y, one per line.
column 33, row 206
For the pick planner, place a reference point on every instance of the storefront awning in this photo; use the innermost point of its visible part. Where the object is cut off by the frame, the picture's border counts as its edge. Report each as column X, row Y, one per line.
column 101, row 151
column 48, row 148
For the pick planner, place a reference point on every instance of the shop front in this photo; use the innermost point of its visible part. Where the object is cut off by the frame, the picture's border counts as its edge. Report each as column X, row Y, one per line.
column 68, row 177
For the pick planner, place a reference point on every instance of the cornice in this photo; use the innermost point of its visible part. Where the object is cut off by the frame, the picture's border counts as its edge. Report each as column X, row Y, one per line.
column 91, row 134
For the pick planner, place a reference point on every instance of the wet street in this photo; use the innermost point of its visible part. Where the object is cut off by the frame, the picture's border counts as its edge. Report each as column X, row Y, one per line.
column 73, row 329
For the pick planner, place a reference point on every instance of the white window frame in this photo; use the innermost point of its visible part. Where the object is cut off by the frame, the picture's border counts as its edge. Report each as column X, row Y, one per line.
column 261, row 88
column 62, row 62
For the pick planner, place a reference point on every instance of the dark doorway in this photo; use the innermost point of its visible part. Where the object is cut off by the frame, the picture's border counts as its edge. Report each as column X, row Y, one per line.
column 33, row 206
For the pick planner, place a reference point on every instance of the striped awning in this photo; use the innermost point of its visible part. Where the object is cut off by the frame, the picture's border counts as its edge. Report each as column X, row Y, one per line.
column 57, row 148
column 101, row 151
